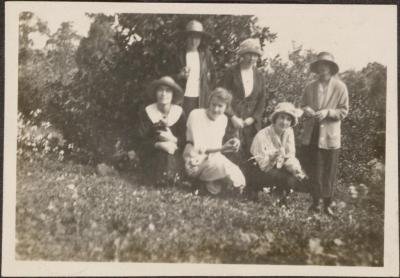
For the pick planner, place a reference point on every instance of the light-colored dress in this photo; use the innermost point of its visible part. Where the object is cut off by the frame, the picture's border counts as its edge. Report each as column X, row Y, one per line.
column 204, row 134
column 267, row 142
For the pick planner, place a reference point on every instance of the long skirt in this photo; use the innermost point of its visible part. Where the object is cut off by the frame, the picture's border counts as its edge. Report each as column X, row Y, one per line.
column 281, row 178
column 321, row 166
column 162, row 167
column 216, row 166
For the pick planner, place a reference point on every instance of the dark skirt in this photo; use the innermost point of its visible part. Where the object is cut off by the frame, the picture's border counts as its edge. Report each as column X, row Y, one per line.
column 257, row 179
column 161, row 167
column 321, row 166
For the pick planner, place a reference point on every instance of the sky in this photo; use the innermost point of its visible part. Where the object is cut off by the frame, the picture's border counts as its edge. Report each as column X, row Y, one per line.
column 354, row 34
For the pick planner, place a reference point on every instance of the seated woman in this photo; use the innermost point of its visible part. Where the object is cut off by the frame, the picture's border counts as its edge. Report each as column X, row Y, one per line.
column 204, row 135
column 162, row 132
column 273, row 150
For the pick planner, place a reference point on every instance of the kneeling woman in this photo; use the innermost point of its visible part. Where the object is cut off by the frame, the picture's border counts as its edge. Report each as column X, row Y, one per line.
column 162, row 132
column 204, row 135
column 273, row 150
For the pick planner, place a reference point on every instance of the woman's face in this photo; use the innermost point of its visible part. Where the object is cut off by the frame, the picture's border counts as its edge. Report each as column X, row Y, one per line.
column 249, row 59
column 216, row 108
column 283, row 121
column 193, row 41
column 164, row 94
column 324, row 71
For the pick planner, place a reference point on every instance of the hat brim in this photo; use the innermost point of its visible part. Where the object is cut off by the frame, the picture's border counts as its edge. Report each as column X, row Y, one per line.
column 276, row 113
column 334, row 67
column 177, row 90
column 244, row 51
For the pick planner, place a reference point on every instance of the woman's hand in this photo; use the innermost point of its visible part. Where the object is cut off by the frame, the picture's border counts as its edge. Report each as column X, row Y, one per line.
column 248, row 121
column 232, row 145
column 167, row 136
column 184, row 73
column 308, row 111
column 237, row 122
column 321, row 114
column 168, row 147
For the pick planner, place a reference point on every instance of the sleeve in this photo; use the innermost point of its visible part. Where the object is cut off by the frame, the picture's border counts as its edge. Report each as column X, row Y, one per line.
column 260, row 106
column 262, row 150
column 145, row 131
column 189, row 129
column 211, row 70
column 304, row 99
column 230, row 131
column 227, row 84
column 342, row 108
column 181, row 131
column 291, row 147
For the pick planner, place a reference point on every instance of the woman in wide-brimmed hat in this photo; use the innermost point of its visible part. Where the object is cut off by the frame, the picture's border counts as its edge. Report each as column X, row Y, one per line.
column 193, row 66
column 274, row 154
column 162, row 131
column 325, row 104
column 247, row 85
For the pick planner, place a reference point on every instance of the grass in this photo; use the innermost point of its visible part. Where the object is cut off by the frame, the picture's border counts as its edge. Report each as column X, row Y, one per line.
column 67, row 212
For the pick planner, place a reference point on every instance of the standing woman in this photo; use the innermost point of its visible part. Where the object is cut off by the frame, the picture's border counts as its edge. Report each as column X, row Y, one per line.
column 247, row 85
column 162, row 126
column 325, row 104
column 194, row 66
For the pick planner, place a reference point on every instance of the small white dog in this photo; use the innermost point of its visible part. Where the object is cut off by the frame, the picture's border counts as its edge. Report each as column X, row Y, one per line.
column 292, row 165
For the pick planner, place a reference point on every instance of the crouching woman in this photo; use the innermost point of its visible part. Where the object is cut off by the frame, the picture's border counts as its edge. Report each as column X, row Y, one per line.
column 206, row 130
column 274, row 153
column 162, row 132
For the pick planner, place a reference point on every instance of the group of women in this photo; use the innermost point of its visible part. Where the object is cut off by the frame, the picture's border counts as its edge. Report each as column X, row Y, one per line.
column 216, row 138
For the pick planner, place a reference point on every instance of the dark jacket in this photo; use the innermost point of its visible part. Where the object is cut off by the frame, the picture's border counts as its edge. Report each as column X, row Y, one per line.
column 254, row 104
column 207, row 73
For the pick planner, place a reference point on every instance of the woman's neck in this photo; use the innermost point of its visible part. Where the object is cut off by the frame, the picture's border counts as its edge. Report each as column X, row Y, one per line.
column 245, row 66
column 164, row 108
column 278, row 130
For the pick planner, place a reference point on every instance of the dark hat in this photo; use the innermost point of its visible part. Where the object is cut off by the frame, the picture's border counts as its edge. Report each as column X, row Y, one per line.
column 327, row 58
column 250, row 46
column 195, row 27
column 167, row 81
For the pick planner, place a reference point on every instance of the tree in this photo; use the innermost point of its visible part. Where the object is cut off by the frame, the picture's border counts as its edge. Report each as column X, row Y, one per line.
column 120, row 57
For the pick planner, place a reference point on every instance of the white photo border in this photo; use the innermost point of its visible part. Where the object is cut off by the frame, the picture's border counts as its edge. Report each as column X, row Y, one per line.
column 12, row 267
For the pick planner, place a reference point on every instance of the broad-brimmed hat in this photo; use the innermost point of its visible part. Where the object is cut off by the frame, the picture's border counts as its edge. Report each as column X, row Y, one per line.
column 327, row 58
column 250, row 46
column 287, row 108
column 195, row 27
column 167, row 81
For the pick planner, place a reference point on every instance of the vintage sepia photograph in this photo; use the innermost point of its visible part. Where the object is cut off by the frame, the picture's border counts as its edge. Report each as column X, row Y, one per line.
column 200, row 139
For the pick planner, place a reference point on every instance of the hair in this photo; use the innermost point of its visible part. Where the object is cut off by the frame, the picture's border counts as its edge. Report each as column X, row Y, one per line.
column 273, row 120
column 222, row 95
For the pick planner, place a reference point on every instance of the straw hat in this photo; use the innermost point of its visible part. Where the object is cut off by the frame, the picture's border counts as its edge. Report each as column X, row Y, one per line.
column 250, row 46
column 167, row 81
column 327, row 58
column 287, row 108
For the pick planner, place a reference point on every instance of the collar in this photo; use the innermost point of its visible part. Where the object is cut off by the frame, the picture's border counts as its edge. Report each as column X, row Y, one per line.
column 155, row 115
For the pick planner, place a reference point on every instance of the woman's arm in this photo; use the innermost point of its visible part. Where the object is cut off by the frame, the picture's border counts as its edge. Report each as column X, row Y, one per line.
column 342, row 108
column 263, row 151
column 260, row 105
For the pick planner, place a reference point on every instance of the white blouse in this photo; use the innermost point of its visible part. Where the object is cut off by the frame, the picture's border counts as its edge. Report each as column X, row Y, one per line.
column 193, row 81
column 203, row 132
column 267, row 142
column 248, row 80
